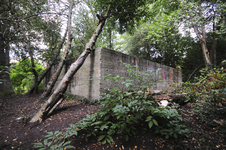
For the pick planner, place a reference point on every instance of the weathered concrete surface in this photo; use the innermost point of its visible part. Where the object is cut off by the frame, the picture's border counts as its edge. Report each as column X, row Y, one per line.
column 103, row 62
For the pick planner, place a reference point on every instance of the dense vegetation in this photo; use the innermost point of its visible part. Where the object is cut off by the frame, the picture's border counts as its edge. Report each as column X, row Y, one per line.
column 122, row 113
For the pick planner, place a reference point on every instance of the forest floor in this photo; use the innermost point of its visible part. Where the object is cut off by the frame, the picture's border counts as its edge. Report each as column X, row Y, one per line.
column 19, row 134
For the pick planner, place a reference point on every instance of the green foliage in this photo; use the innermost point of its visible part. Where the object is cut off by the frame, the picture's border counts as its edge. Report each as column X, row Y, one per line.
column 170, row 123
column 124, row 14
column 22, row 77
column 85, row 24
column 123, row 108
column 86, row 21
column 54, row 140
column 209, row 93
column 157, row 40
column 211, row 85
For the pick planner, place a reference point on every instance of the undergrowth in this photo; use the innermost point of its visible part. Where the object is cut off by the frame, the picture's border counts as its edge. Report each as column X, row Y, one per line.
column 208, row 94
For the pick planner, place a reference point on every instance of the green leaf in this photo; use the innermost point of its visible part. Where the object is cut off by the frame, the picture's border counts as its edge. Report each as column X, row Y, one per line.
column 50, row 133
column 50, row 143
column 126, row 137
column 133, row 132
column 148, row 118
column 150, row 124
column 106, row 117
column 45, row 141
column 175, row 135
column 66, row 143
column 155, row 122
column 101, row 137
column 167, row 136
column 96, row 123
column 88, row 134
column 37, row 145
column 109, row 141
column 110, row 138
column 104, row 142
column 60, row 144
column 75, row 133
column 103, row 127
column 94, row 133
column 69, row 146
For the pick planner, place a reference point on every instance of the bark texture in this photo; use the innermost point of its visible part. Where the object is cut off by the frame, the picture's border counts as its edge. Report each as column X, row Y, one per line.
column 5, row 83
column 61, row 88
column 202, row 40
column 213, row 50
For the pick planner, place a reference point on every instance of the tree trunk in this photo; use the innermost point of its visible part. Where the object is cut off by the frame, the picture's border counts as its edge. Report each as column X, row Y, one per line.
column 62, row 86
column 110, row 39
column 33, row 67
column 5, row 83
column 50, row 65
column 202, row 40
column 214, row 44
column 213, row 49
column 55, row 76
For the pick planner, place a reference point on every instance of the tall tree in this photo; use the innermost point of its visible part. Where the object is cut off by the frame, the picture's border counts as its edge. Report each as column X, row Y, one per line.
column 199, row 15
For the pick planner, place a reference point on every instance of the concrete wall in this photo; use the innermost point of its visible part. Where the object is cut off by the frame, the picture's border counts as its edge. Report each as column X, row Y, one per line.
column 103, row 62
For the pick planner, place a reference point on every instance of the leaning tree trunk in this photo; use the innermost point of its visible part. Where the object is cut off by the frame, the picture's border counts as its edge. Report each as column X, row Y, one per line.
column 55, row 76
column 41, row 77
column 57, row 95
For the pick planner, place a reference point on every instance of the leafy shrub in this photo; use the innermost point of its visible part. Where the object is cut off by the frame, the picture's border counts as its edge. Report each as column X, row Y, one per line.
column 209, row 93
column 124, row 106
column 54, row 140
column 210, row 86
column 21, row 76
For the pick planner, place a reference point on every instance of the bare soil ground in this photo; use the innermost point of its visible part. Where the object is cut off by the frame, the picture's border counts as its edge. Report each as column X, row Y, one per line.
column 19, row 134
